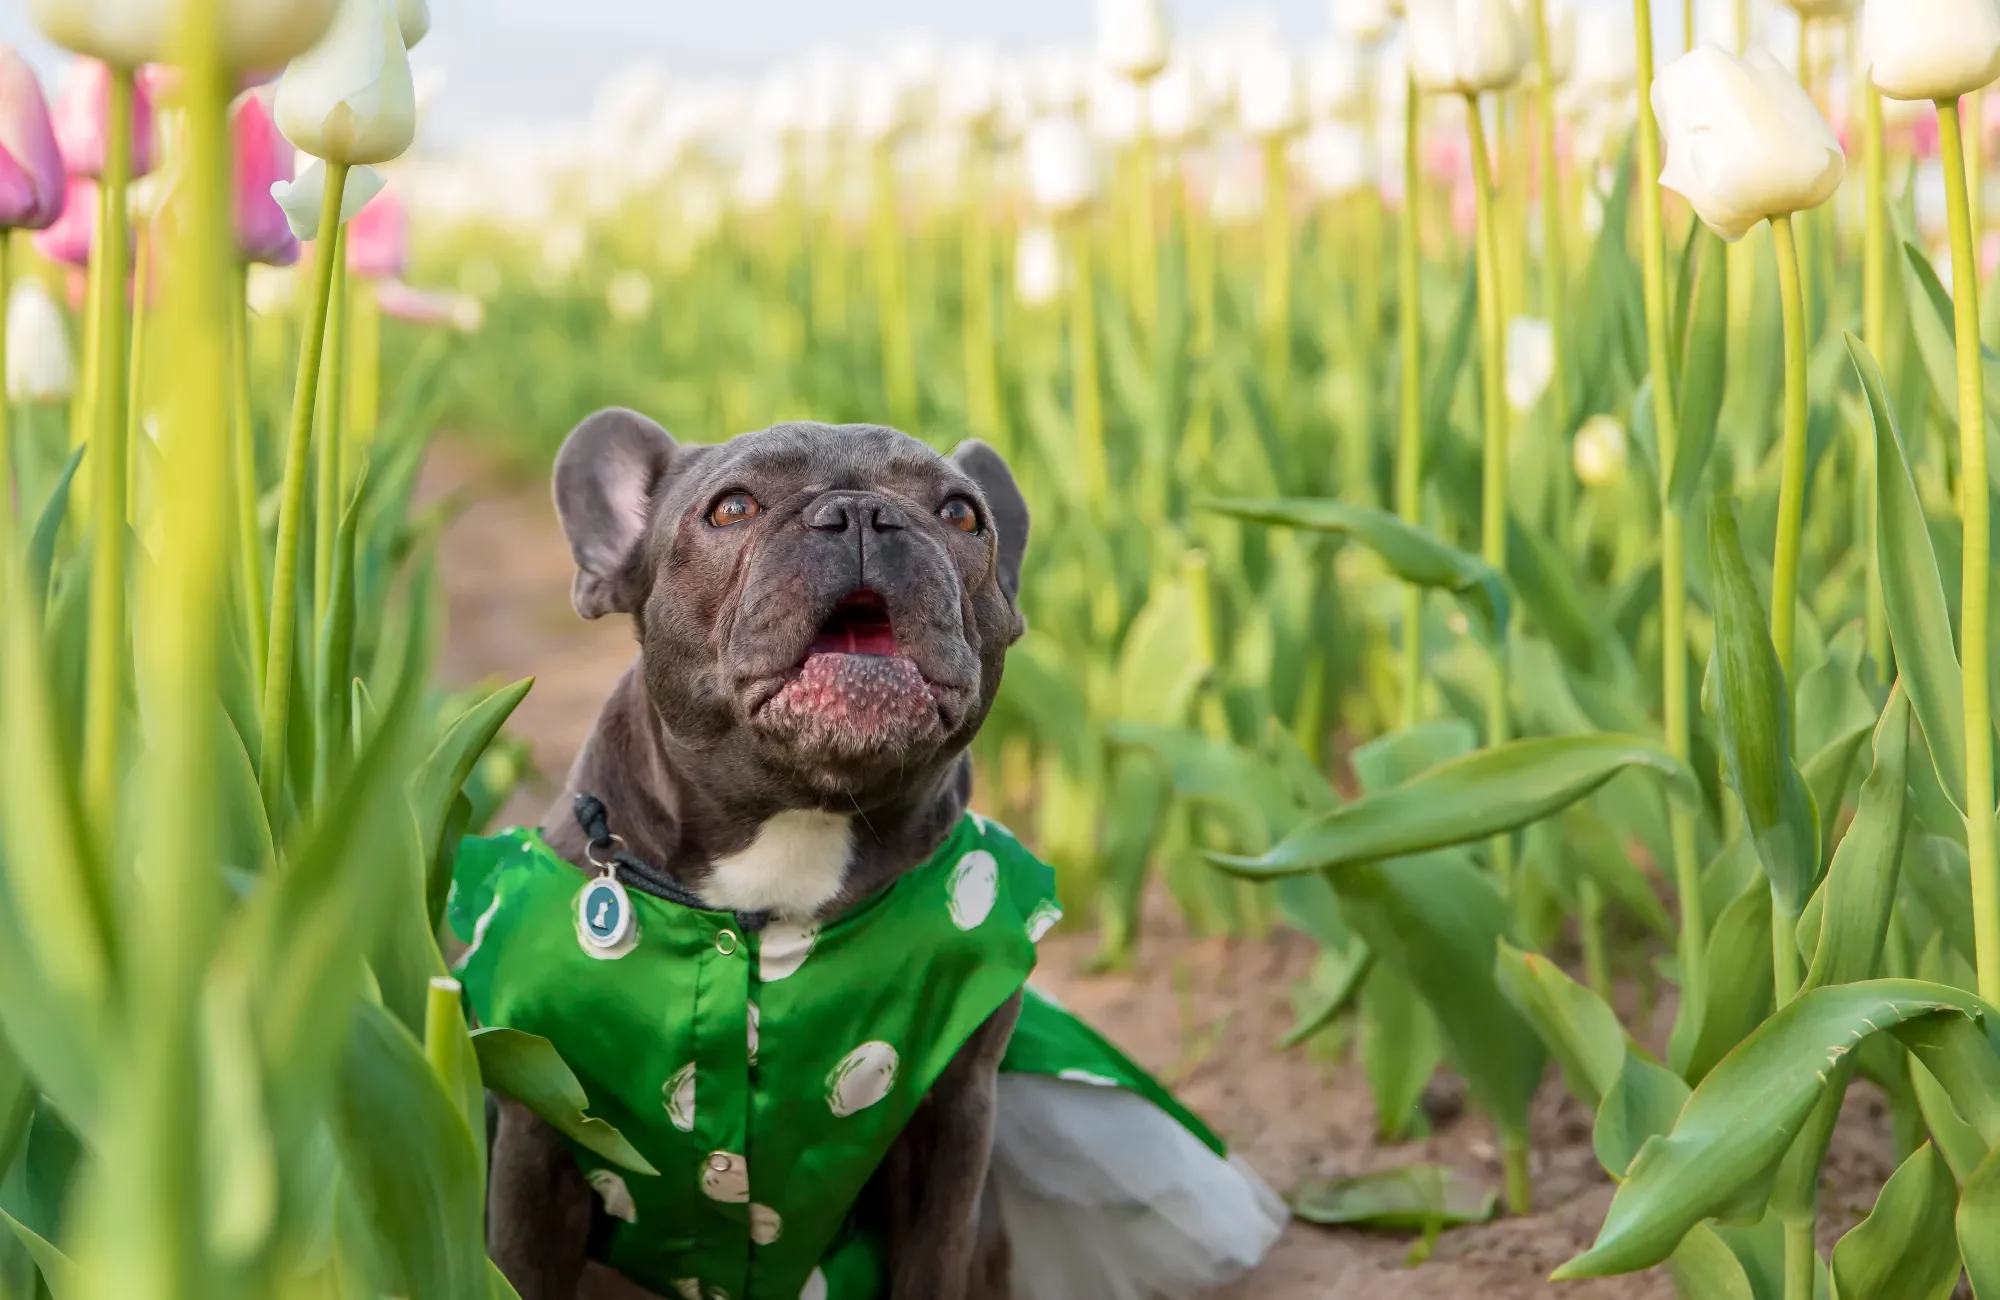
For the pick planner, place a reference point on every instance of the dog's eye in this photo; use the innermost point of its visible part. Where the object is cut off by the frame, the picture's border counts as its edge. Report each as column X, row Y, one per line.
column 958, row 513
column 734, row 509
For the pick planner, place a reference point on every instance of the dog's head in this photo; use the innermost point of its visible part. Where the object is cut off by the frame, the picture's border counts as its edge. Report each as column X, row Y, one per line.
column 823, row 610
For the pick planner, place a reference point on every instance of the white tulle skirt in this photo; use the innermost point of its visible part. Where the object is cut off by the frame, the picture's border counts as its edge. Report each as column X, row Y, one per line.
column 1106, row 1197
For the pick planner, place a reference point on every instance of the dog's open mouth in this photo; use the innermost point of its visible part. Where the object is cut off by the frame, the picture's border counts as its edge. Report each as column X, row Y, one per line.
column 853, row 692
column 859, row 625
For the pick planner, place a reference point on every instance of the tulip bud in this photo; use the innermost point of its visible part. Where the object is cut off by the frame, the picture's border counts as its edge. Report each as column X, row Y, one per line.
column 970, row 96
column 1466, row 47
column 1366, row 21
column 350, row 99
column 263, row 160
column 68, row 238
column 1605, row 54
column 1117, row 110
column 1038, row 273
column 1177, row 109
column 256, row 33
column 413, row 20
column 1268, row 103
column 378, row 239
column 1337, row 81
column 1132, row 37
column 881, row 106
column 1531, row 361
column 1598, row 453
column 32, row 181
column 82, row 114
column 302, row 198
column 1062, row 173
column 38, row 356
column 1744, row 141
column 1932, row 49
column 1334, row 158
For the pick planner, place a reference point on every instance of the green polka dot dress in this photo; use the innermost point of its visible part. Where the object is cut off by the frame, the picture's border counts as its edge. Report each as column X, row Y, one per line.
column 766, row 1074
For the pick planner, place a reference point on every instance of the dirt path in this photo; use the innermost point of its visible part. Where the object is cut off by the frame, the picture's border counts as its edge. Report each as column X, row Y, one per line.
column 1204, row 1014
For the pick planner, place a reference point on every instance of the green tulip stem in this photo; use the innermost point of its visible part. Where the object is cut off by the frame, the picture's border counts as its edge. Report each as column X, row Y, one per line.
column 135, row 369
column 1198, row 237
column 1800, row 1261
column 330, row 446
column 1086, row 397
column 1493, row 371
column 292, row 504
column 1555, row 283
column 1277, row 299
column 1975, row 506
column 104, row 669
column 1520, row 1179
column 1975, row 164
column 1792, row 480
column 1410, row 438
column 1145, row 235
column 1693, row 947
column 982, row 377
column 1875, row 326
column 1590, row 932
column 6, row 399
column 444, row 1021
column 243, row 463
column 892, row 291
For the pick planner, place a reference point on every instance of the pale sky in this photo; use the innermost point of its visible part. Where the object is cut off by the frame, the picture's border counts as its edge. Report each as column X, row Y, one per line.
column 536, row 62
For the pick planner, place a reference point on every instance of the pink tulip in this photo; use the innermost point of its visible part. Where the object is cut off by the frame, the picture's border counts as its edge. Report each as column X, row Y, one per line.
column 31, row 166
column 378, row 239
column 262, row 157
column 68, row 240
column 81, row 112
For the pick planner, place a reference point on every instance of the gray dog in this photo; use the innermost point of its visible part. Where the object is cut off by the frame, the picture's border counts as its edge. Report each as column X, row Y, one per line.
column 823, row 614
column 762, row 791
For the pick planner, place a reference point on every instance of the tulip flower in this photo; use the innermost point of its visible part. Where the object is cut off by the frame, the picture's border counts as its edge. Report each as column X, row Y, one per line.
column 82, row 110
column 1466, row 47
column 1062, row 172
column 1744, row 141
column 1603, row 60
column 1337, row 81
column 39, row 368
column 68, row 238
column 32, row 183
column 350, row 99
column 1268, row 103
column 1336, row 161
column 413, row 20
column 1364, row 21
column 972, row 93
column 378, row 239
column 303, row 197
column 256, row 33
column 1177, row 107
column 263, row 160
column 1038, row 271
column 1117, row 110
column 1132, row 37
column 1932, row 49
column 1599, row 452
column 628, row 297
column 399, row 301
column 1531, row 361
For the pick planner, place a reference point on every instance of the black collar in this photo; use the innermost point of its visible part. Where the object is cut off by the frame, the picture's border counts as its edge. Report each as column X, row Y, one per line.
column 609, row 851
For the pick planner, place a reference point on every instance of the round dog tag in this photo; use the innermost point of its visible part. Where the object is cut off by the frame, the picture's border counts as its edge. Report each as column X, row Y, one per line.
column 604, row 913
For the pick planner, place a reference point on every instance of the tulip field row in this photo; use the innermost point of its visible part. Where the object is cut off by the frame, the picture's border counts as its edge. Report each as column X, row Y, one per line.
column 1511, row 505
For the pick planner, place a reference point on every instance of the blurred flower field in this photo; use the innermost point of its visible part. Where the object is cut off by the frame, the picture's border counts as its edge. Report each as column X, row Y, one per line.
column 1511, row 505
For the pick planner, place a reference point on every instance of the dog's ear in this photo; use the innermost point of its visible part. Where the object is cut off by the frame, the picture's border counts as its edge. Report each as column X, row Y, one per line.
column 607, row 479
column 988, row 469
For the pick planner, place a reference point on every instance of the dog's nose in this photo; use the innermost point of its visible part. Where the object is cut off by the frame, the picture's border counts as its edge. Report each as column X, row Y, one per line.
column 836, row 512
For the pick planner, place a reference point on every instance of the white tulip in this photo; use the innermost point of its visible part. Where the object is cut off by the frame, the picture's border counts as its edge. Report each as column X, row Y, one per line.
column 1268, row 102
column 1744, row 141
column 760, row 179
column 971, row 93
column 1598, row 453
column 1466, row 47
column 127, row 33
column 413, row 19
column 628, row 296
column 39, row 368
column 1177, row 108
column 1531, row 361
column 1337, row 81
column 1132, row 37
column 303, row 196
column 1062, row 172
column 881, row 106
column 350, row 99
column 1931, row 49
column 1038, row 267
column 1117, row 110
column 1366, row 21
column 1562, row 37
column 1606, row 56
column 1335, row 159
column 1059, row 80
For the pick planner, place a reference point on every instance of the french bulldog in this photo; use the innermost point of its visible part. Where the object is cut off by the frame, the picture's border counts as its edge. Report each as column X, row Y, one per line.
column 823, row 613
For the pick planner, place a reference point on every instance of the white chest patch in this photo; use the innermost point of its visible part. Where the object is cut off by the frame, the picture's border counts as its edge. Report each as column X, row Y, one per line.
column 794, row 867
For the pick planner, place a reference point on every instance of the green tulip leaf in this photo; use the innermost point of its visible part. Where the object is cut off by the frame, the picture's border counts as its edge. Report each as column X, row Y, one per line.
column 1978, row 1222
column 57, row 1270
column 1400, row 1049
column 1906, row 1249
column 1704, row 366
column 1413, row 1198
column 1738, row 1125
column 1463, row 801
column 1913, row 593
column 1411, row 553
column 1640, row 1107
column 1580, row 1031
column 528, row 1069
column 1737, row 992
column 1860, row 890
column 42, row 546
column 443, row 774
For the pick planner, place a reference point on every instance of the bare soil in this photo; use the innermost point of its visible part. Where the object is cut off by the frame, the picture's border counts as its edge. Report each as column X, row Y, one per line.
column 1202, row 1013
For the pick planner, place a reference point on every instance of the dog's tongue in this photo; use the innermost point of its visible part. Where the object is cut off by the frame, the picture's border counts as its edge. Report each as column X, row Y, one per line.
column 860, row 695
column 859, row 625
